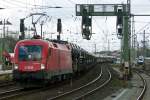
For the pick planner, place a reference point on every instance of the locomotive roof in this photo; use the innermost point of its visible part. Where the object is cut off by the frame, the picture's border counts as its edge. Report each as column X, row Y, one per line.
column 59, row 41
column 73, row 46
column 31, row 40
column 66, row 42
column 44, row 42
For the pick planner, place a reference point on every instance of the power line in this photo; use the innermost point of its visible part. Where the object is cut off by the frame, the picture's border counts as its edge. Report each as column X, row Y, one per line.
column 22, row 3
column 99, row 27
column 141, row 22
column 8, row 4
column 142, row 28
column 71, row 1
column 13, row 3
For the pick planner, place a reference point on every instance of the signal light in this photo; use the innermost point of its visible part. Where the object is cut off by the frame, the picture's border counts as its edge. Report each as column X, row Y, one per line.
column 119, row 23
column 119, row 17
column 119, row 20
column 120, row 31
column 84, row 12
column 86, row 32
column 21, row 25
column 86, row 27
column 86, row 24
column 119, row 10
column 59, row 26
column 86, row 21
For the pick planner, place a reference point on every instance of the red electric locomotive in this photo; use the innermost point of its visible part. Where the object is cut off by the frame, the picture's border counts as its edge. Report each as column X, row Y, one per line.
column 41, row 60
column 47, row 61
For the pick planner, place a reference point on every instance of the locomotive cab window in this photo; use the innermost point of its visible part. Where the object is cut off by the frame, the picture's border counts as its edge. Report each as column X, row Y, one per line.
column 30, row 52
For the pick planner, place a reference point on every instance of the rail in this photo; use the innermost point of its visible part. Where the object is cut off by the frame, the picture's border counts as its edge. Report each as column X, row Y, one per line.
column 77, row 89
column 140, row 97
column 94, row 90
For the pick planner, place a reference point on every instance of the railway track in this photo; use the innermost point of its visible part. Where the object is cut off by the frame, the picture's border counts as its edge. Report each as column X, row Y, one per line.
column 141, row 95
column 86, row 90
column 18, row 92
column 9, row 90
column 7, row 87
column 10, row 93
column 62, row 87
column 94, row 90
column 6, row 83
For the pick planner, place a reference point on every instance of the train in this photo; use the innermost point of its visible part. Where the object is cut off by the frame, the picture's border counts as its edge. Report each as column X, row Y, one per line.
column 140, row 60
column 38, row 61
column 106, row 59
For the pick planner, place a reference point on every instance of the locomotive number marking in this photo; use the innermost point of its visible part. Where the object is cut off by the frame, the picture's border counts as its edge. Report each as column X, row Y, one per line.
column 28, row 67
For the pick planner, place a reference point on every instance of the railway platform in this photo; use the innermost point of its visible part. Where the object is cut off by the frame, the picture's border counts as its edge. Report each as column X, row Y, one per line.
column 130, row 92
column 2, row 72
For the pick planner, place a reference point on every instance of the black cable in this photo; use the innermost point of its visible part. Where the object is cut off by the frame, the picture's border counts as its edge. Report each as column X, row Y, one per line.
column 142, row 28
column 71, row 1
column 23, row 3
column 12, row 3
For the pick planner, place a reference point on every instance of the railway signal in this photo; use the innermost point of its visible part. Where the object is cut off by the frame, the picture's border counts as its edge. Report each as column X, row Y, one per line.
column 59, row 28
column 22, row 28
column 119, row 23
column 86, row 24
column 122, row 11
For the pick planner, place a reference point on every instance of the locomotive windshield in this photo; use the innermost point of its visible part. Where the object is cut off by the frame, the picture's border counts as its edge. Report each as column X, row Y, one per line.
column 30, row 52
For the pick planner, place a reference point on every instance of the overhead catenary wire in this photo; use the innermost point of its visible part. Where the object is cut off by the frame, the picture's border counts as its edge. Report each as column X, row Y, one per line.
column 10, row 2
column 31, row 4
column 18, row 2
column 71, row 1
column 25, row 5
column 7, row 4
column 143, row 27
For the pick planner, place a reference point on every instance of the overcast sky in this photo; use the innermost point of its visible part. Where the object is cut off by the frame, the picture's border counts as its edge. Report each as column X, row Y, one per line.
column 104, row 27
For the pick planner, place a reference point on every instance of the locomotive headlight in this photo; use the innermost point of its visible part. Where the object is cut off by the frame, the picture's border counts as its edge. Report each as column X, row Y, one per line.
column 42, row 66
column 16, row 67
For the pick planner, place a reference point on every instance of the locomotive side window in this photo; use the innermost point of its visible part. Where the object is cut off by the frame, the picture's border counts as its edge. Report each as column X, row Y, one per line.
column 68, row 47
column 55, row 45
column 30, row 52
